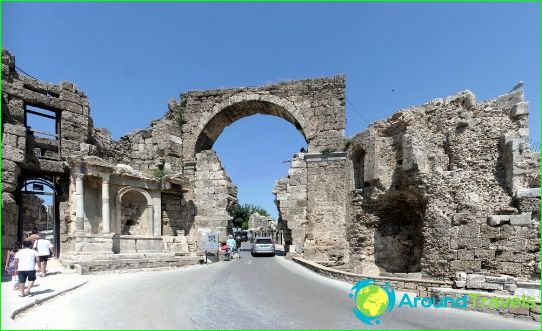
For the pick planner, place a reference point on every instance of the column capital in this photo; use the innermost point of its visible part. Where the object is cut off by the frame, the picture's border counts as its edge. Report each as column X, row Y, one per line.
column 105, row 179
column 79, row 175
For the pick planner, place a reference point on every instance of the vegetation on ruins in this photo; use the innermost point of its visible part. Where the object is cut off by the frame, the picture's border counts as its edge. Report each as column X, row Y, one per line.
column 159, row 173
column 160, row 152
column 346, row 144
column 327, row 151
column 180, row 118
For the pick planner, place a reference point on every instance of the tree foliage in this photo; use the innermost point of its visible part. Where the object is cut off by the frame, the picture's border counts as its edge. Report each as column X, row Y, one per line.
column 241, row 214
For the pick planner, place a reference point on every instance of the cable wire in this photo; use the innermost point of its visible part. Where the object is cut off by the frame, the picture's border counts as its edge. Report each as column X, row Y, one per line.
column 25, row 73
column 357, row 111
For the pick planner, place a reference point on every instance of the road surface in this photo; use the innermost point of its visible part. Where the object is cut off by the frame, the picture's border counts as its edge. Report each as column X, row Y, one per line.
column 249, row 293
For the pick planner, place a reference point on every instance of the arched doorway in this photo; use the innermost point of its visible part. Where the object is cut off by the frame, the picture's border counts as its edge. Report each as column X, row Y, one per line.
column 134, row 212
column 38, row 209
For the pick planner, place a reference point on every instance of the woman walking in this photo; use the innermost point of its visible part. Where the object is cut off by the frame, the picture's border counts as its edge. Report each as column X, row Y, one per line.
column 10, row 265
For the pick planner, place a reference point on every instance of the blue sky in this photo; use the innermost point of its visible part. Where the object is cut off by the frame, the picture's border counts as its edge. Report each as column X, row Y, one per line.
column 131, row 58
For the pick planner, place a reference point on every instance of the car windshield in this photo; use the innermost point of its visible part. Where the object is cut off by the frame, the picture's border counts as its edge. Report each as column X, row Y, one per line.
column 263, row 241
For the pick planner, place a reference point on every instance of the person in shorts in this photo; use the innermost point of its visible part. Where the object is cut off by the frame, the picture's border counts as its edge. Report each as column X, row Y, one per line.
column 25, row 266
column 43, row 246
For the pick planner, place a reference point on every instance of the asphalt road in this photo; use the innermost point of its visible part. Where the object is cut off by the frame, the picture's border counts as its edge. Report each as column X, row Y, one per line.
column 249, row 293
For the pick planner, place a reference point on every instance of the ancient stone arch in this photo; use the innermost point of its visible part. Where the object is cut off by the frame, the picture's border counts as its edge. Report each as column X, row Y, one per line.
column 315, row 107
column 243, row 105
column 148, row 212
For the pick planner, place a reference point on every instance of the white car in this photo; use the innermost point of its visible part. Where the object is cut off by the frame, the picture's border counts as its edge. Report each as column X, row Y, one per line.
column 263, row 245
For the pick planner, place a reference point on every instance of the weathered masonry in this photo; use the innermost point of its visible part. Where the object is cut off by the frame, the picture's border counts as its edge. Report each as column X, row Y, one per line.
column 155, row 192
column 449, row 186
column 437, row 191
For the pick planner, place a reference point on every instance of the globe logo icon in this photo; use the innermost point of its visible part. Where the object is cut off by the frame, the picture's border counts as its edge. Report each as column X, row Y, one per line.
column 372, row 301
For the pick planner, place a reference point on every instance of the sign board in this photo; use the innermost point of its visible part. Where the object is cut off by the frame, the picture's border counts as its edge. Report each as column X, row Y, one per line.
column 211, row 241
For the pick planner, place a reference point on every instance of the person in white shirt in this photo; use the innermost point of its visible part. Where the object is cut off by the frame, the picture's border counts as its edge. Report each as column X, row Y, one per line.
column 43, row 246
column 25, row 265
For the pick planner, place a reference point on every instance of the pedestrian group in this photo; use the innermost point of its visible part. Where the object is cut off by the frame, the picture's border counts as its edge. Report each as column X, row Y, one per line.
column 22, row 262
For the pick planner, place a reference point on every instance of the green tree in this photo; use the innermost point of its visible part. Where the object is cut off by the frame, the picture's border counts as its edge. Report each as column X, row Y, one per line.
column 241, row 214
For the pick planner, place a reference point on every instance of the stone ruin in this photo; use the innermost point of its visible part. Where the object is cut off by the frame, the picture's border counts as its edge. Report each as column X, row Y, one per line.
column 447, row 190
column 37, row 214
column 449, row 186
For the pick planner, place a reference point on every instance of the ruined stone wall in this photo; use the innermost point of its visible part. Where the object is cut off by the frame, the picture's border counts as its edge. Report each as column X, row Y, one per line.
column 311, row 205
column 34, row 213
column 315, row 107
column 171, row 214
column 177, row 214
column 155, row 150
column 326, row 191
column 26, row 153
column 214, row 195
column 257, row 221
column 445, row 168
column 448, row 186
column 291, row 200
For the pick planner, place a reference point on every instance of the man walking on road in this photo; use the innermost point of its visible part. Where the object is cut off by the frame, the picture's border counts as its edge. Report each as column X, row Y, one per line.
column 25, row 265
column 43, row 246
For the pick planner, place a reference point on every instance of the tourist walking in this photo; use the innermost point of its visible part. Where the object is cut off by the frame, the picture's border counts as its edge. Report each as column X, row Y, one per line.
column 25, row 266
column 10, row 265
column 43, row 246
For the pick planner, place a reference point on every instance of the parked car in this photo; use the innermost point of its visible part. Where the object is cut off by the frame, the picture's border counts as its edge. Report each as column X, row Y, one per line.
column 263, row 245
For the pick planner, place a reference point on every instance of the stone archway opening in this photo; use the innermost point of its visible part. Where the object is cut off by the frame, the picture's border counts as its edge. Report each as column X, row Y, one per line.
column 358, row 167
column 213, row 185
column 314, row 107
column 232, row 113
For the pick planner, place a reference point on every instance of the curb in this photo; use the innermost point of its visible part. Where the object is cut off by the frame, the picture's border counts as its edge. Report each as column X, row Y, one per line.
column 40, row 300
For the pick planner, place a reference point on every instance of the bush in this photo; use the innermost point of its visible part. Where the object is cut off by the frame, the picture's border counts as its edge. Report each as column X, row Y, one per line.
column 327, row 151
column 159, row 173
column 346, row 144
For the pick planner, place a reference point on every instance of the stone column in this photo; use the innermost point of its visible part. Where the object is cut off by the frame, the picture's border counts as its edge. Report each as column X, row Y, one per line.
column 150, row 210
column 79, row 204
column 106, row 218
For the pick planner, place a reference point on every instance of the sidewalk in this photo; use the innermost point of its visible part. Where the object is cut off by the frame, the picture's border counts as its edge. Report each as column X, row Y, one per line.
column 57, row 281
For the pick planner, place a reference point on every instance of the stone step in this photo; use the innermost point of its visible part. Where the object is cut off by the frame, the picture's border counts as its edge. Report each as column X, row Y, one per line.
column 86, row 267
